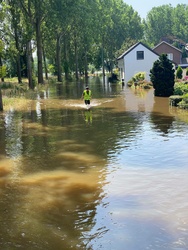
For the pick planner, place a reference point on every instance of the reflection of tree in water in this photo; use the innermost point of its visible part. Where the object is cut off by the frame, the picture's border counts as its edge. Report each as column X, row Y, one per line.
column 162, row 123
column 2, row 135
column 69, row 91
column 161, row 117
column 54, row 203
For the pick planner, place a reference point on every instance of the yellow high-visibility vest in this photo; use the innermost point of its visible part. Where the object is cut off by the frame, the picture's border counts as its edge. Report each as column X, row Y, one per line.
column 87, row 94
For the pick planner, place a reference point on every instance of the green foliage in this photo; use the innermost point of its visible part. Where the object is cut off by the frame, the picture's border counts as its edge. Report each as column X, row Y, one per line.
column 12, row 90
column 184, row 102
column 91, row 68
column 158, row 23
column 185, row 97
column 7, row 85
column 186, row 72
column 2, row 71
column 140, row 76
column 51, row 69
column 111, row 26
column 162, row 76
column 179, row 72
column 180, row 88
column 167, row 22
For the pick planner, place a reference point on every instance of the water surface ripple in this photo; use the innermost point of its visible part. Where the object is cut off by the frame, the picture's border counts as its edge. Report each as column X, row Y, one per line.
column 113, row 177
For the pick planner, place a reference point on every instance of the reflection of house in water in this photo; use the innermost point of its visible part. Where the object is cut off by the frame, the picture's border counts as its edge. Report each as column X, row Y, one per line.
column 139, row 100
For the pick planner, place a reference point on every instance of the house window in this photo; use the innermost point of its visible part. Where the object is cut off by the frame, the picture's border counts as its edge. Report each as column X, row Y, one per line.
column 170, row 56
column 140, row 55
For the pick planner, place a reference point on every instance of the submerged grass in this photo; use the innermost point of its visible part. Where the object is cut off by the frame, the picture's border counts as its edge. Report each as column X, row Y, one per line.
column 19, row 96
column 14, row 103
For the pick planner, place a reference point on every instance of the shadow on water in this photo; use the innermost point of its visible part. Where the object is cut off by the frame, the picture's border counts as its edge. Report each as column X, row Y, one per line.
column 72, row 178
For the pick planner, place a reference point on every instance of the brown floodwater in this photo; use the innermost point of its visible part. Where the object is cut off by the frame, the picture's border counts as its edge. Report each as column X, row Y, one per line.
column 113, row 177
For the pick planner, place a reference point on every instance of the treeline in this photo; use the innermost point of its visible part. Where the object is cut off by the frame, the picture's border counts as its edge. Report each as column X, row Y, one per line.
column 74, row 37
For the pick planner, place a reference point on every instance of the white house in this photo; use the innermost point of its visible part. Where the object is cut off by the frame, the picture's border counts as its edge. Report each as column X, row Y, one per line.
column 138, row 58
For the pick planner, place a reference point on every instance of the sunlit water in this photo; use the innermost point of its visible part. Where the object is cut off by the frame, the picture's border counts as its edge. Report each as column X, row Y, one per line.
column 111, row 177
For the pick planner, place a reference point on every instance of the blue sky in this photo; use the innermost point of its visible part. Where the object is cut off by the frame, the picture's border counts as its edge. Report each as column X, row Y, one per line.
column 144, row 6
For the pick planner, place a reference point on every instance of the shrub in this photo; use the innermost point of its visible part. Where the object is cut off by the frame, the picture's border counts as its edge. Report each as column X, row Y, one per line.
column 180, row 88
column 184, row 103
column 179, row 72
column 162, row 76
column 186, row 72
column 140, row 76
column 3, row 71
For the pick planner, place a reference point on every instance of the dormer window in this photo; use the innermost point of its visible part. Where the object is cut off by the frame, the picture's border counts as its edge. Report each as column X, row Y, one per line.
column 140, row 55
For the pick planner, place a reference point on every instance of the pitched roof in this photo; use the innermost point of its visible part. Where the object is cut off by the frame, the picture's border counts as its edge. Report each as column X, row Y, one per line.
column 168, row 45
column 133, row 47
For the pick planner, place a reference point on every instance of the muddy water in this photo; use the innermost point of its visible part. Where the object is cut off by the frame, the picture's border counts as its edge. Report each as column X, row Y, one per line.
column 112, row 177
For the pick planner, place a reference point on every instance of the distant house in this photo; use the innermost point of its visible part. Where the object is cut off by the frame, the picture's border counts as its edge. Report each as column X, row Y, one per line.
column 138, row 58
column 184, row 63
column 174, row 54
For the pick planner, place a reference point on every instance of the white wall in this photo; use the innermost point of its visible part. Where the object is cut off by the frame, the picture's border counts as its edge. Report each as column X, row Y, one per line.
column 133, row 66
column 121, row 68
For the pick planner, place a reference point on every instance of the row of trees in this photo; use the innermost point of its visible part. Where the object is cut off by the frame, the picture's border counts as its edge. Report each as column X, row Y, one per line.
column 68, row 36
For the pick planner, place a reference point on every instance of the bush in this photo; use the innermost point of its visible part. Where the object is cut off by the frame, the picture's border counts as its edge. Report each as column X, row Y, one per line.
column 180, row 88
column 186, row 72
column 3, row 71
column 162, row 76
column 184, row 103
column 140, row 76
column 179, row 73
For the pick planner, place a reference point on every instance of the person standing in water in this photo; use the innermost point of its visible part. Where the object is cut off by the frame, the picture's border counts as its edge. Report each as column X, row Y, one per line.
column 87, row 95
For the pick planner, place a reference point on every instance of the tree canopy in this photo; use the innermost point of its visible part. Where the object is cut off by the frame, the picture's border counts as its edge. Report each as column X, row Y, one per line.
column 67, row 36
column 162, row 76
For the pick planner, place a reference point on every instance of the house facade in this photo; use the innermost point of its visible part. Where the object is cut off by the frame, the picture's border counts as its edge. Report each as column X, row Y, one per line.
column 138, row 58
column 173, row 53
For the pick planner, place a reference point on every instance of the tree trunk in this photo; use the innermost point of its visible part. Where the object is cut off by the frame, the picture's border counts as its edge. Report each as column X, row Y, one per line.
column 45, row 64
column 29, row 65
column 85, row 66
column 66, row 64
column 103, row 70
column 1, row 101
column 58, row 58
column 76, row 58
column 19, row 69
column 1, row 64
column 18, row 64
column 39, row 51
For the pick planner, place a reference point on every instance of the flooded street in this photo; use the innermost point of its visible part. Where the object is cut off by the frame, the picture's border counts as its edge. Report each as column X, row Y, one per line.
column 113, row 177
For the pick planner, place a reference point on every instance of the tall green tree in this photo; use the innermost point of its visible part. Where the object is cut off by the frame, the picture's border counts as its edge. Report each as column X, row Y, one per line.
column 158, row 24
column 126, row 26
column 180, row 22
column 16, row 31
column 29, row 36
column 162, row 76
column 12, row 30
column 37, row 12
